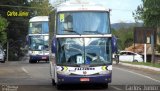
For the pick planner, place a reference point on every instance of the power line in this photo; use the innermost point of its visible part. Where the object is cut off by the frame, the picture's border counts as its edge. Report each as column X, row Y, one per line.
column 122, row 9
column 44, row 8
column 20, row 7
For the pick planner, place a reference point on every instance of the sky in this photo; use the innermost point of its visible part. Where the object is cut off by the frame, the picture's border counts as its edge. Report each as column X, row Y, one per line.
column 121, row 9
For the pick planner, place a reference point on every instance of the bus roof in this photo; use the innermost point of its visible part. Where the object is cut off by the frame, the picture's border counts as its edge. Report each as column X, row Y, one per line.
column 80, row 6
column 38, row 18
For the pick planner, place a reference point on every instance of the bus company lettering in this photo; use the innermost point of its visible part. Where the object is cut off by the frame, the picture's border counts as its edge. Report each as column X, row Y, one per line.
column 79, row 68
column 19, row 13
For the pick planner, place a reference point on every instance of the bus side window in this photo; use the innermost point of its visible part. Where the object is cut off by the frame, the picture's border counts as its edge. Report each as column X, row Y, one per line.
column 45, row 28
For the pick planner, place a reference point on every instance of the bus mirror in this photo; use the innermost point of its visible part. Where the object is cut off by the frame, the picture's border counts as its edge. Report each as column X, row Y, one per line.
column 53, row 47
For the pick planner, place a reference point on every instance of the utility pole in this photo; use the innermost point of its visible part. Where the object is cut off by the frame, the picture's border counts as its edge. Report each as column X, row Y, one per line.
column 7, row 49
column 152, row 45
column 145, row 53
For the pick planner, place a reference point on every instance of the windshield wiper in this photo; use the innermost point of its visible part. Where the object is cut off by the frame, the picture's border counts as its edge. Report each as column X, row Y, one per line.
column 73, row 31
column 96, row 32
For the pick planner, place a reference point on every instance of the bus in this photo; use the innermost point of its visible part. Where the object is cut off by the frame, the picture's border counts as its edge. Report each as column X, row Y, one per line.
column 81, row 45
column 38, row 39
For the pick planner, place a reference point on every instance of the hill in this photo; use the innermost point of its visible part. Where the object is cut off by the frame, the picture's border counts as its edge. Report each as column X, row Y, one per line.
column 117, row 26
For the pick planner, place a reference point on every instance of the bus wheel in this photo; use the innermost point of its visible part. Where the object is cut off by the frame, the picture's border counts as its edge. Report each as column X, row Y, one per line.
column 105, row 86
column 3, row 61
column 53, row 82
column 135, row 61
column 58, row 86
column 30, row 61
column 35, row 61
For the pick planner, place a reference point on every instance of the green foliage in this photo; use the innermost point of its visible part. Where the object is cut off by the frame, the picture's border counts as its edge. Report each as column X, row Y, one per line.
column 3, row 34
column 41, row 8
column 17, row 29
column 125, row 37
column 149, row 12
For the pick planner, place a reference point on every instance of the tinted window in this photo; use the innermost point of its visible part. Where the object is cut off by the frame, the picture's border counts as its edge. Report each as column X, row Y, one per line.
column 83, row 23
column 45, row 28
column 93, row 51
column 123, row 53
column 39, row 28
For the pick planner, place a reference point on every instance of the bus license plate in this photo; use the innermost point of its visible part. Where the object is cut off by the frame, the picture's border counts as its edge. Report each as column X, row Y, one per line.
column 44, row 57
column 84, row 79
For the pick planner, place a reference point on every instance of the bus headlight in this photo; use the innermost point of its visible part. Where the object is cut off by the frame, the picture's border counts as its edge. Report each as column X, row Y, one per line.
column 63, row 70
column 109, row 67
column 63, row 73
column 33, row 53
column 105, row 72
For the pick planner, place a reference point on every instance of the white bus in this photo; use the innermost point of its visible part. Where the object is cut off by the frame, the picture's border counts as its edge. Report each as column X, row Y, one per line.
column 38, row 39
column 81, row 44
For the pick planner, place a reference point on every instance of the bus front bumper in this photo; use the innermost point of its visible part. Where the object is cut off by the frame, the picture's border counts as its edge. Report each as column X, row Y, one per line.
column 96, row 79
column 39, row 57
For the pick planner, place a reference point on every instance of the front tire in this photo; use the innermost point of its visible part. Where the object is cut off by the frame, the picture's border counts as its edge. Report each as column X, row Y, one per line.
column 59, row 87
column 3, row 61
column 32, row 61
column 105, row 85
column 135, row 61
column 53, row 82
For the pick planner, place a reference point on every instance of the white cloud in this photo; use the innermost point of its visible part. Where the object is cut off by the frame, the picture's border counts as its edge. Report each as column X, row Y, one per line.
column 121, row 9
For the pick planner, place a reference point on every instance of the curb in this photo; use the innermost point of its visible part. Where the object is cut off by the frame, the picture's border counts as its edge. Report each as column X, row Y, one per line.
column 141, row 66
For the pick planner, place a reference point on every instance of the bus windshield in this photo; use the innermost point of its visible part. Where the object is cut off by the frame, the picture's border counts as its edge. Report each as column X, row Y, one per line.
column 87, row 51
column 38, row 28
column 93, row 22
column 39, row 43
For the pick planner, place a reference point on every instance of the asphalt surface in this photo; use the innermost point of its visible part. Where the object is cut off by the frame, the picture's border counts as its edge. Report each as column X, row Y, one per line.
column 22, row 76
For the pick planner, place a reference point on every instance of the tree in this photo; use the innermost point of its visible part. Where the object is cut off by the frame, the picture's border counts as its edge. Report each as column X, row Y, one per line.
column 3, row 34
column 125, row 37
column 149, row 13
column 40, row 7
column 17, row 29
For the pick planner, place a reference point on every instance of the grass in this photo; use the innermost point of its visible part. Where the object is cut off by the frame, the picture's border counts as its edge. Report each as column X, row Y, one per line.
column 145, row 64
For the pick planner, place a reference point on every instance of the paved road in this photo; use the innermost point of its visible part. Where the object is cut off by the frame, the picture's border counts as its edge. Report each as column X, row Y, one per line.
column 36, row 77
